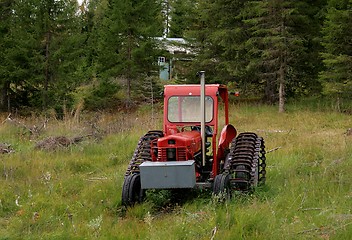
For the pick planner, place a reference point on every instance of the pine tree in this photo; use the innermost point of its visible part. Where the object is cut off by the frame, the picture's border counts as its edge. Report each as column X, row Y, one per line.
column 337, row 54
column 6, row 16
column 92, row 15
column 216, row 32
column 19, row 61
column 181, row 17
column 247, row 41
column 59, row 32
column 307, row 63
column 127, row 45
column 42, row 53
column 275, row 45
column 227, row 37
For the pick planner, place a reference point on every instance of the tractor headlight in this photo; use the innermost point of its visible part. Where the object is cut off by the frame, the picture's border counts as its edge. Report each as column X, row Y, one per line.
column 171, row 154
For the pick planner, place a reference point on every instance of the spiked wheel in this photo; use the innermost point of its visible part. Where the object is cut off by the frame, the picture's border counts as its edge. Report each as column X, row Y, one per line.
column 142, row 152
column 246, row 161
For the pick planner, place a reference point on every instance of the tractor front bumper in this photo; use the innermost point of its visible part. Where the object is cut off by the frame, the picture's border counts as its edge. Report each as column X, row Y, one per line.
column 168, row 175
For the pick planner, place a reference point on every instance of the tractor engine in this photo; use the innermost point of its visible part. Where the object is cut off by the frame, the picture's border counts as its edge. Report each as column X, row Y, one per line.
column 181, row 146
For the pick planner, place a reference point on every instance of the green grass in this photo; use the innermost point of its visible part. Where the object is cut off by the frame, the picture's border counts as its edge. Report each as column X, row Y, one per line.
column 75, row 193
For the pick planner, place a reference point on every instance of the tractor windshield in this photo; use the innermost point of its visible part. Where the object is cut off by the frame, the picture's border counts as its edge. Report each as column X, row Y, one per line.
column 187, row 109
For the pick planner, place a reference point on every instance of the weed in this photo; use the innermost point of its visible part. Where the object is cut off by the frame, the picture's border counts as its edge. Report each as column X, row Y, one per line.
column 95, row 225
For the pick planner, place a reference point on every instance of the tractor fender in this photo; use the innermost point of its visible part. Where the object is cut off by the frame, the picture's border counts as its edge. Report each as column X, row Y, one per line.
column 228, row 133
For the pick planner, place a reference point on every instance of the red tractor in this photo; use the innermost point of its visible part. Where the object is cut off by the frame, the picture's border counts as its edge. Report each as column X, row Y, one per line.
column 188, row 153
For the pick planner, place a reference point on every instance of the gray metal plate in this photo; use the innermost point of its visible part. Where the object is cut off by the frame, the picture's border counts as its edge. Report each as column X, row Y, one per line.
column 165, row 175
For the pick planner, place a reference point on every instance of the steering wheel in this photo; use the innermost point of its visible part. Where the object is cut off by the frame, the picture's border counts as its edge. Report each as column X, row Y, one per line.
column 208, row 130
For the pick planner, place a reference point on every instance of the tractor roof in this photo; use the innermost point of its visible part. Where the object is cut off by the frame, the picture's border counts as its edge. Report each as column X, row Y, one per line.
column 194, row 89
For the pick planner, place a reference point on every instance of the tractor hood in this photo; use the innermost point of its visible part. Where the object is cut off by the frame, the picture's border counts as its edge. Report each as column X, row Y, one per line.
column 190, row 139
column 184, row 145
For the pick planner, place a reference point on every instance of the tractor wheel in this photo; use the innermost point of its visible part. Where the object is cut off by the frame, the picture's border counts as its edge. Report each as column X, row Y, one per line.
column 131, row 190
column 247, row 161
column 142, row 152
column 222, row 186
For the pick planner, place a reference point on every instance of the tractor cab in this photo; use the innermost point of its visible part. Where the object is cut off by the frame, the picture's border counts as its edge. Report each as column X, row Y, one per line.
column 182, row 106
column 182, row 126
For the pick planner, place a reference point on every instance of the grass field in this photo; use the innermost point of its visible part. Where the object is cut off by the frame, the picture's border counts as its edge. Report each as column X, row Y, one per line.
column 75, row 192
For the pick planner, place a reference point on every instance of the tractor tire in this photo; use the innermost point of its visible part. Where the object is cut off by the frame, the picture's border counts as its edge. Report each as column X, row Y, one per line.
column 131, row 190
column 142, row 152
column 246, row 162
column 222, row 186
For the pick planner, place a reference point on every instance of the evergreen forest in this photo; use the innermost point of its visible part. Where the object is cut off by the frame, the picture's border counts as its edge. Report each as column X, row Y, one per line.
column 102, row 54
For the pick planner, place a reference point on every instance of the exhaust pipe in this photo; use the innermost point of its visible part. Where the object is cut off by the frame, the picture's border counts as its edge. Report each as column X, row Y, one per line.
column 202, row 112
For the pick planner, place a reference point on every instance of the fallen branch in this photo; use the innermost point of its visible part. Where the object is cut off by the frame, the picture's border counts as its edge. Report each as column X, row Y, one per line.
column 309, row 230
column 53, row 143
column 273, row 131
column 274, row 149
column 16, row 122
column 343, row 226
column 309, row 209
column 16, row 201
column 325, row 229
column 213, row 232
column 34, row 130
column 8, row 117
column 96, row 179
column 5, row 148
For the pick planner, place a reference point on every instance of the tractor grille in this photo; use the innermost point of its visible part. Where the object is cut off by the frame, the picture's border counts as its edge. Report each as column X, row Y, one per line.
column 164, row 156
column 181, row 153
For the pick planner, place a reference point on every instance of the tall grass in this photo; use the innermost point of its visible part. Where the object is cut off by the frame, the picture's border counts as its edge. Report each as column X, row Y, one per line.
column 74, row 193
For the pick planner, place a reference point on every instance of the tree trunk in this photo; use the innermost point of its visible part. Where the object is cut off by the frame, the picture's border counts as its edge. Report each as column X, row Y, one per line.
column 282, row 71
column 282, row 83
column 5, row 103
column 167, row 19
column 3, row 98
column 282, row 95
column 47, row 70
column 128, row 77
column 270, row 95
